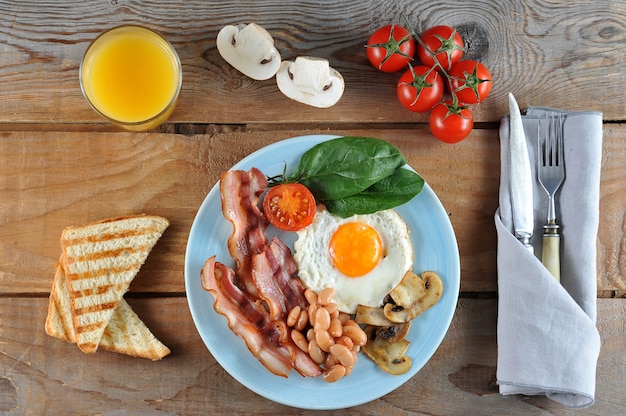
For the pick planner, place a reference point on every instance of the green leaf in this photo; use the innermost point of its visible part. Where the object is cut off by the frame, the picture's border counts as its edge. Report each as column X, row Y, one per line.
column 345, row 166
column 394, row 190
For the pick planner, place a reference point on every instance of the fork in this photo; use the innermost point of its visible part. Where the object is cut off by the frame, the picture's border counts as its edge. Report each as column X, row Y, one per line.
column 551, row 173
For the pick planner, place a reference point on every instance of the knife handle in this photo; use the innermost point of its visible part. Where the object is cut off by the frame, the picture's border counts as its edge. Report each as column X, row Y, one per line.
column 550, row 252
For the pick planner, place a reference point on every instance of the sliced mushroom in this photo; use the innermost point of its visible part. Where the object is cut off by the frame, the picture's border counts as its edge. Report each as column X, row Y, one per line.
column 411, row 288
column 249, row 49
column 311, row 81
column 434, row 287
column 371, row 315
column 375, row 316
column 393, row 333
column 389, row 356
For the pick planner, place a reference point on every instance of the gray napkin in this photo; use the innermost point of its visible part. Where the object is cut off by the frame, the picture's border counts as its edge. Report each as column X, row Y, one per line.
column 548, row 342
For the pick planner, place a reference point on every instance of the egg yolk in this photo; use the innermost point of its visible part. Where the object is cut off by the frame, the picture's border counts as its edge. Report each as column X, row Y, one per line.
column 355, row 248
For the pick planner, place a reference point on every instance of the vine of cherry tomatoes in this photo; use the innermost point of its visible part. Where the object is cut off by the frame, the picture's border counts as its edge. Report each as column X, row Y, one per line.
column 420, row 88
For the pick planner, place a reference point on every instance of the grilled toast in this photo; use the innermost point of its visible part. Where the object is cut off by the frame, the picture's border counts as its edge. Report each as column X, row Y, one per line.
column 125, row 333
column 99, row 261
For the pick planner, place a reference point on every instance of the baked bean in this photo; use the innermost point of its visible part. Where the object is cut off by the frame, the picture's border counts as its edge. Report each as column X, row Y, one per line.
column 324, row 340
column 343, row 317
column 351, row 322
column 315, row 352
column 310, row 296
column 292, row 318
column 326, row 296
column 335, row 328
column 299, row 340
column 322, row 320
column 332, row 309
column 356, row 333
column 310, row 334
column 334, row 373
column 303, row 320
column 348, row 371
column 312, row 310
column 330, row 360
column 343, row 354
column 345, row 340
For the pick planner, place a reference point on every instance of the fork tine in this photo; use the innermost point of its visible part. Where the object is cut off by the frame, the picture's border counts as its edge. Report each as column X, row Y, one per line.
column 553, row 141
column 556, row 141
column 561, row 145
column 544, row 145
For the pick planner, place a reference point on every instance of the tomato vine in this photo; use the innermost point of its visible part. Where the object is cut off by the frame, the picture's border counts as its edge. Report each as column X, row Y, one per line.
column 440, row 50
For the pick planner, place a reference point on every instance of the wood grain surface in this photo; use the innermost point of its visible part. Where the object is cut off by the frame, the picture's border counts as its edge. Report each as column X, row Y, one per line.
column 458, row 380
column 60, row 165
column 561, row 54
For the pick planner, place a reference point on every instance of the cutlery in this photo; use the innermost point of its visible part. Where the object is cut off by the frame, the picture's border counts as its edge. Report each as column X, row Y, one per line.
column 551, row 173
column 520, row 177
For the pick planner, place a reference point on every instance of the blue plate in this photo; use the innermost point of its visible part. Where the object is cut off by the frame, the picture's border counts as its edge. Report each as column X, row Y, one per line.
column 435, row 249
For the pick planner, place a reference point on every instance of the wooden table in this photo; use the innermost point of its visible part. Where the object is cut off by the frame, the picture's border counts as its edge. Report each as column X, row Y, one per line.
column 60, row 165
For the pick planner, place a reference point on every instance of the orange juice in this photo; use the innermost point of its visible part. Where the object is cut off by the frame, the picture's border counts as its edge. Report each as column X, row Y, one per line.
column 132, row 76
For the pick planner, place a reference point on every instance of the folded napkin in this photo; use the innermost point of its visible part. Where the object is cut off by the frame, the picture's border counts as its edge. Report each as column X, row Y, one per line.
column 548, row 342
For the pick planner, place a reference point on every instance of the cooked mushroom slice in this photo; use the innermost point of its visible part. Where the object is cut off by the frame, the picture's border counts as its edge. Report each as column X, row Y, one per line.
column 410, row 289
column 393, row 333
column 389, row 356
column 371, row 315
column 310, row 81
column 434, row 288
column 249, row 49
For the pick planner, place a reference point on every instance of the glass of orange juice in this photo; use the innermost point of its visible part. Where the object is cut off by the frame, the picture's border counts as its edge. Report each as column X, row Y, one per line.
column 132, row 76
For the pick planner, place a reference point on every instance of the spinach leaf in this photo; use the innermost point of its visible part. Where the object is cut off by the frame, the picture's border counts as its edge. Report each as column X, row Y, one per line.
column 345, row 166
column 389, row 192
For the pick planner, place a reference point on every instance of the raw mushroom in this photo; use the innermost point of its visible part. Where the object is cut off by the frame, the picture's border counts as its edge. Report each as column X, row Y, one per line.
column 249, row 49
column 311, row 81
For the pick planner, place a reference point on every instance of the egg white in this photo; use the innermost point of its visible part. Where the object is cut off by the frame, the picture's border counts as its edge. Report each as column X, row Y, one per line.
column 316, row 269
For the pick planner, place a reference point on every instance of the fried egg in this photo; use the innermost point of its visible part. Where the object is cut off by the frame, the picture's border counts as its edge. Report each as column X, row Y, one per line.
column 362, row 257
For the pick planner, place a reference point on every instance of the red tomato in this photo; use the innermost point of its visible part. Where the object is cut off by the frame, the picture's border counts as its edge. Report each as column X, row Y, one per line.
column 289, row 206
column 420, row 88
column 390, row 48
column 444, row 42
column 471, row 81
column 451, row 123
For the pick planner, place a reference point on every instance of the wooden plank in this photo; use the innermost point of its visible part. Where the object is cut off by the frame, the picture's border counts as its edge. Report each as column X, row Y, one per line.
column 43, row 375
column 558, row 54
column 51, row 180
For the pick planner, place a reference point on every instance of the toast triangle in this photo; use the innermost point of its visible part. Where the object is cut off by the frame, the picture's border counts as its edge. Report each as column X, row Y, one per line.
column 126, row 333
column 99, row 261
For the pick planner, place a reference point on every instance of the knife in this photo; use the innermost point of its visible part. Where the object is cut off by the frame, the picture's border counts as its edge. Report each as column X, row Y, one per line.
column 520, row 177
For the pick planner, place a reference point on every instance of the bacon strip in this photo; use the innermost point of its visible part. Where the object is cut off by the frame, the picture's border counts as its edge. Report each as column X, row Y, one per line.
column 273, row 274
column 240, row 192
column 245, row 318
column 287, row 281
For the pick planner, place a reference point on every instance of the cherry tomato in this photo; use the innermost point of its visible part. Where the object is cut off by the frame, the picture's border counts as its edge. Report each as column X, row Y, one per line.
column 451, row 123
column 471, row 81
column 289, row 206
column 420, row 88
column 442, row 41
column 390, row 48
